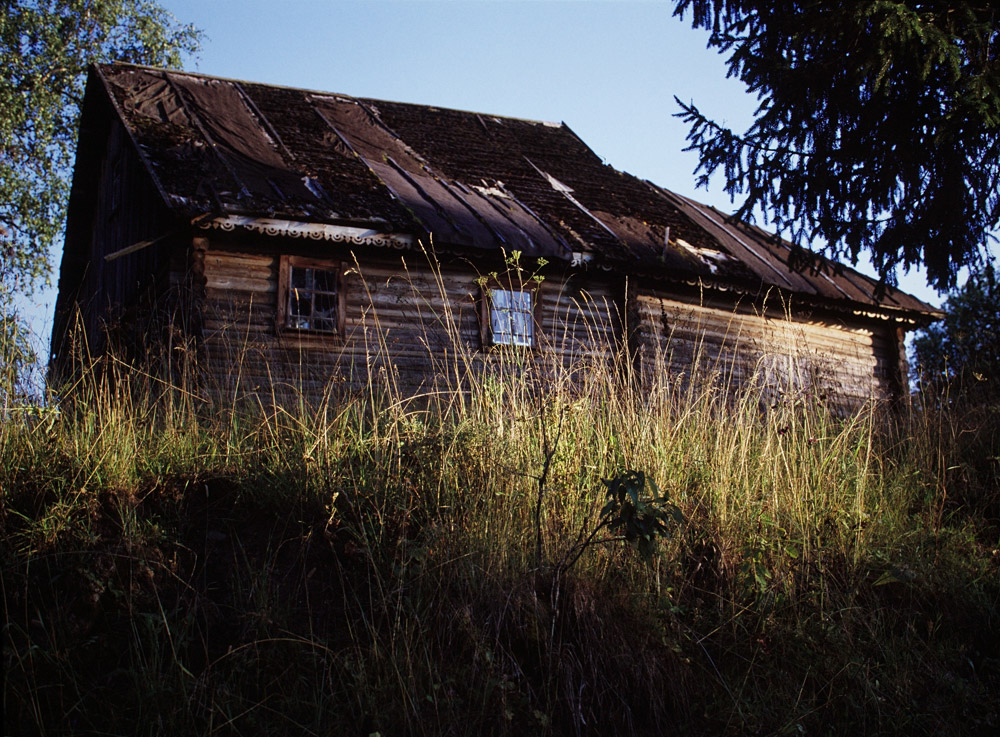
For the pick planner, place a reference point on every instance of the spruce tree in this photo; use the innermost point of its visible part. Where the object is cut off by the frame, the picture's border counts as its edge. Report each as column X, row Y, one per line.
column 878, row 128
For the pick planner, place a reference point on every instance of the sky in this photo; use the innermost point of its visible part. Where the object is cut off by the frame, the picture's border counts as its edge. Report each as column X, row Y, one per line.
column 609, row 69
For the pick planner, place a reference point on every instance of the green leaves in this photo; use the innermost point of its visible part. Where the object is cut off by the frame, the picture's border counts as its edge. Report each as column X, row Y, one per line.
column 966, row 343
column 17, row 359
column 878, row 128
column 639, row 517
column 45, row 48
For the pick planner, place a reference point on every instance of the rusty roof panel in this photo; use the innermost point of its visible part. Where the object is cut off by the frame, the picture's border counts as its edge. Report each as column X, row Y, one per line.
column 445, row 206
column 269, row 181
column 347, row 184
column 154, row 114
column 406, row 176
column 471, row 181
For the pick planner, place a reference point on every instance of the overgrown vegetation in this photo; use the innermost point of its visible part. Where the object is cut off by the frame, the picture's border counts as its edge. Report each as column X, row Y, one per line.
column 363, row 563
column 961, row 353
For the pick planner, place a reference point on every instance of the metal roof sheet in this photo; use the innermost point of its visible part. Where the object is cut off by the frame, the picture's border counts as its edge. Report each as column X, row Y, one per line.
column 472, row 181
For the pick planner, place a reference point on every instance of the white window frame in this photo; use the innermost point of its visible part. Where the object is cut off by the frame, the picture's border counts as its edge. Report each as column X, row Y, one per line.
column 509, row 314
column 512, row 319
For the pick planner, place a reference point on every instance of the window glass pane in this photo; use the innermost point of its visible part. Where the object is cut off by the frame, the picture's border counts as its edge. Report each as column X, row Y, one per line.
column 520, row 327
column 511, row 320
column 520, row 301
column 325, row 281
column 312, row 299
column 500, row 316
column 324, row 310
column 299, row 308
column 301, row 278
column 500, row 299
column 300, row 299
column 500, row 326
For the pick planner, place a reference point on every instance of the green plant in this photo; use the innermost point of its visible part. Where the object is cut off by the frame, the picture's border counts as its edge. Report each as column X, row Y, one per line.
column 638, row 517
column 18, row 363
column 631, row 514
column 464, row 562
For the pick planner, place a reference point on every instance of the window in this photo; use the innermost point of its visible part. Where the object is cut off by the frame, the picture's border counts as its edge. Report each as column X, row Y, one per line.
column 310, row 295
column 511, row 318
column 509, row 315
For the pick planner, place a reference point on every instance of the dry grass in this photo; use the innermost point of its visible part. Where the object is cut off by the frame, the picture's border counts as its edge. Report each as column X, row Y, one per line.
column 362, row 563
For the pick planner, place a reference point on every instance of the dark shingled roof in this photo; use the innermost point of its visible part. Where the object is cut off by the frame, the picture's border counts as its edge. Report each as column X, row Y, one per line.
column 471, row 181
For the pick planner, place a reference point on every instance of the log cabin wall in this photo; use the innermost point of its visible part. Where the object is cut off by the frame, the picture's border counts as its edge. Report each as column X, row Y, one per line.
column 408, row 324
column 123, row 291
column 845, row 361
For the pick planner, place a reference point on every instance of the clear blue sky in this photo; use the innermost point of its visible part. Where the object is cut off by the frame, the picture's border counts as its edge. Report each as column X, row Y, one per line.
column 609, row 69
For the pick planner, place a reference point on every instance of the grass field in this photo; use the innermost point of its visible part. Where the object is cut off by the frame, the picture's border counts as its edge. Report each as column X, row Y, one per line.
column 363, row 563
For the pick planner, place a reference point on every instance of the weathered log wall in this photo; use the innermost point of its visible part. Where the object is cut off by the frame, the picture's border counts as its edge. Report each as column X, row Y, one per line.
column 410, row 326
column 841, row 359
column 117, row 213
column 413, row 326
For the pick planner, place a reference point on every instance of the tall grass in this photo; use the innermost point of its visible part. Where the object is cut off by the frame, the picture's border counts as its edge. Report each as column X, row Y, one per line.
column 360, row 562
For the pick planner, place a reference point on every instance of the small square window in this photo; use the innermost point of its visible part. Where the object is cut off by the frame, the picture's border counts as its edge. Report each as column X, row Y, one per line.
column 512, row 317
column 310, row 295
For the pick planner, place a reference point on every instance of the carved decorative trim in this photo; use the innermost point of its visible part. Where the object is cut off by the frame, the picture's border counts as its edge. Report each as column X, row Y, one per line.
column 310, row 231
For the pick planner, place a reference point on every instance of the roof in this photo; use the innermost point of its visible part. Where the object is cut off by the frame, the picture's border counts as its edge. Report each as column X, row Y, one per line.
column 220, row 148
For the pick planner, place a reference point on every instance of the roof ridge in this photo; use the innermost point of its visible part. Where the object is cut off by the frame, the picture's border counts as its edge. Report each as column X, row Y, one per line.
column 331, row 93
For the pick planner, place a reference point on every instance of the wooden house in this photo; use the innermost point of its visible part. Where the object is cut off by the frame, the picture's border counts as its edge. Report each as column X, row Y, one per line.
column 287, row 235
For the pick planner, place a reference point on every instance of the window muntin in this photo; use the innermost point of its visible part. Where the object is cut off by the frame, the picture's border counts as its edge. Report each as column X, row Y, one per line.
column 310, row 295
column 512, row 317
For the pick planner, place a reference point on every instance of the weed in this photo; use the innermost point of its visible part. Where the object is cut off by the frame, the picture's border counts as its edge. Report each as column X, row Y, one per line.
column 359, row 560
